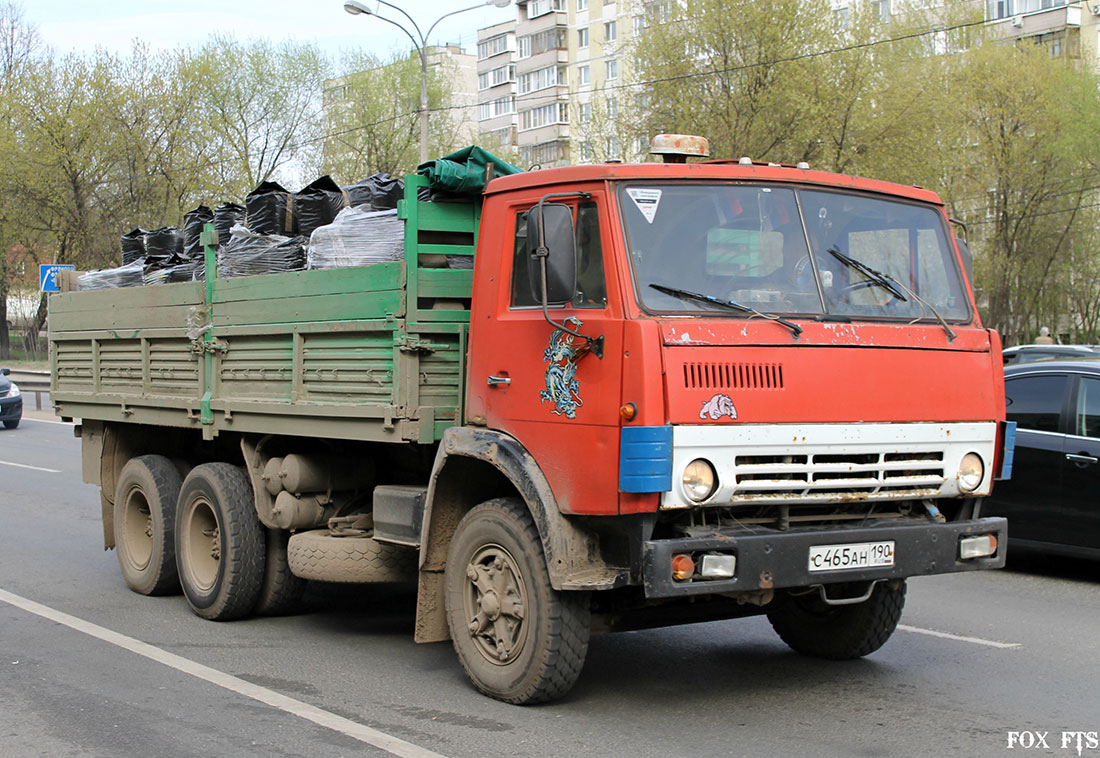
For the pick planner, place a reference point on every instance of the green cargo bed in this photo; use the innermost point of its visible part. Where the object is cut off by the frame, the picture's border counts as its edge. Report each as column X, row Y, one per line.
column 372, row 353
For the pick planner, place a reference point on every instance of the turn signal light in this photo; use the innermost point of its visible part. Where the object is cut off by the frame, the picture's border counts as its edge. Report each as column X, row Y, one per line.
column 628, row 412
column 682, row 567
column 978, row 546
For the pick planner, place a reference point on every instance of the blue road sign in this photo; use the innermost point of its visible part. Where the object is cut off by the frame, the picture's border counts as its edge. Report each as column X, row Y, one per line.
column 47, row 275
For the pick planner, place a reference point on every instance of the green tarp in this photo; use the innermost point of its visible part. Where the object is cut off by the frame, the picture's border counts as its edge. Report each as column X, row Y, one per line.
column 463, row 172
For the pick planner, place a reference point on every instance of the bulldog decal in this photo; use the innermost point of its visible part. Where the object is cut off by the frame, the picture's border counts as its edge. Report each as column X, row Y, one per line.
column 717, row 407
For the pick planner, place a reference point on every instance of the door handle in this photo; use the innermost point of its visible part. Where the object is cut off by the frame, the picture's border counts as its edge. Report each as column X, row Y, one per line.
column 504, row 381
column 1081, row 459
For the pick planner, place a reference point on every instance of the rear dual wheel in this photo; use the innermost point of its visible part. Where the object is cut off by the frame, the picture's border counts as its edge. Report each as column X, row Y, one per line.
column 220, row 543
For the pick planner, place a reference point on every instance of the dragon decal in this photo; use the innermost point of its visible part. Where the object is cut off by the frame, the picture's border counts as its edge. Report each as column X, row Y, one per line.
column 562, row 386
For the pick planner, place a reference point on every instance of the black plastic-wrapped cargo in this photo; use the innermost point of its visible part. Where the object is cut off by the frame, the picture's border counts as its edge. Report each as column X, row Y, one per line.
column 128, row 275
column 164, row 242
column 380, row 191
column 317, row 204
column 193, row 222
column 269, row 209
column 226, row 216
column 133, row 246
column 249, row 253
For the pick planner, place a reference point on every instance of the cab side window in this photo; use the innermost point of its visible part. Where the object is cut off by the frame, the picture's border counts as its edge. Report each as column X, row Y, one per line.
column 1035, row 402
column 591, row 284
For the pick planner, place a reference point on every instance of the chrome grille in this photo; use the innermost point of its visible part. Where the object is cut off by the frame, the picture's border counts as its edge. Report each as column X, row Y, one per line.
column 835, row 475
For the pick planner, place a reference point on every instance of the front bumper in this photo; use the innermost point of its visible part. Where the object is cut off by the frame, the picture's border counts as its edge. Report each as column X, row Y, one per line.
column 778, row 560
column 11, row 408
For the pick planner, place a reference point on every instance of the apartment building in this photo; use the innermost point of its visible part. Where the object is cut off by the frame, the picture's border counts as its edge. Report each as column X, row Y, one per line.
column 1067, row 29
column 496, row 86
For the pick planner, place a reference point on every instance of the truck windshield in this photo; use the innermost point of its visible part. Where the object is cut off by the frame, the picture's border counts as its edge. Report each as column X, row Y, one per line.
column 789, row 251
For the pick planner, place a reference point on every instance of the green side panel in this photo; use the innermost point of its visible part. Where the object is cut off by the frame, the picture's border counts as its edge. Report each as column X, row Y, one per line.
column 126, row 308
column 445, row 282
column 120, row 366
column 174, row 369
column 348, row 368
column 366, row 292
column 257, row 367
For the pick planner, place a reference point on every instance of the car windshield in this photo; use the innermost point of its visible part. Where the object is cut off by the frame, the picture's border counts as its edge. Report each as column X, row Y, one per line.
column 786, row 251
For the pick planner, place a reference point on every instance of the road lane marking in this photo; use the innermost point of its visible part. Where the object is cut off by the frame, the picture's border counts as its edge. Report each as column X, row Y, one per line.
column 35, row 468
column 49, row 421
column 318, row 716
column 959, row 637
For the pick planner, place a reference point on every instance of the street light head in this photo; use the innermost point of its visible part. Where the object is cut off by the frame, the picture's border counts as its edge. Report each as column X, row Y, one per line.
column 354, row 7
column 499, row 3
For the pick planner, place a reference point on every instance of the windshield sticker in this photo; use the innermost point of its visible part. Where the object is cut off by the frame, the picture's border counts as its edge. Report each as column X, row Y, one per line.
column 717, row 407
column 647, row 201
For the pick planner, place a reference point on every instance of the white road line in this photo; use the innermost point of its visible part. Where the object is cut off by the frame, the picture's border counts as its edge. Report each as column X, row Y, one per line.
column 48, row 421
column 306, row 711
column 35, row 468
column 959, row 637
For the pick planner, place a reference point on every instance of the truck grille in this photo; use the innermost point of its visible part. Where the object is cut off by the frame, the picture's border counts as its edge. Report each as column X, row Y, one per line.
column 831, row 476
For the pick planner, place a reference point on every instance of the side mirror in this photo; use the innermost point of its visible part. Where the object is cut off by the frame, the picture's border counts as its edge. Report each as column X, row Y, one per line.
column 555, row 222
column 5, row 371
column 967, row 259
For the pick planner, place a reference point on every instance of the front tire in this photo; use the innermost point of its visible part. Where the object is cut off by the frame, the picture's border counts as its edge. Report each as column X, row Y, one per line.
column 840, row 632
column 519, row 639
column 144, row 524
column 220, row 542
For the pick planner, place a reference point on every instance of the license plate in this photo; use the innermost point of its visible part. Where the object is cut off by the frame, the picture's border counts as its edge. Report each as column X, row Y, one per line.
column 853, row 556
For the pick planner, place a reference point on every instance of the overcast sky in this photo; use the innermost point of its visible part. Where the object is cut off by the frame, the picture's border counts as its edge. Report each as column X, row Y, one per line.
column 83, row 25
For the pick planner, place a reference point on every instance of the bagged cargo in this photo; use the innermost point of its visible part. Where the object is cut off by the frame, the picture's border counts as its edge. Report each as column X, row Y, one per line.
column 317, row 204
column 109, row 278
column 187, row 271
column 358, row 237
column 226, row 216
column 269, row 209
column 133, row 246
column 380, row 191
column 248, row 253
column 164, row 242
column 193, row 223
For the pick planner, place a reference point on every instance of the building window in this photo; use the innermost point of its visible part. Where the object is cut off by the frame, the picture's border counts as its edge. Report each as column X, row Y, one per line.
column 881, row 9
column 999, row 9
column 502, row 106
column 542, row 78
column 612, row 107
column 613, row 68
column 611, row 31
column 582, row 5
column 523, row 49
column 551, row 39
column 583, row 75
column 612, row 144
column 545, row 152
column 494, row 46
column 585, row 112
column 545, row 115
column 582, row 37
column 537, row 8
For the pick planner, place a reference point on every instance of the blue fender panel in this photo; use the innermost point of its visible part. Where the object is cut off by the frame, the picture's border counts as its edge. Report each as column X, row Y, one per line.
column 645, row 459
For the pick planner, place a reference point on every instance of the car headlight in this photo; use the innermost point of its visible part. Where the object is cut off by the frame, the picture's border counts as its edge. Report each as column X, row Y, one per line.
column 14, row 391
column 699, row 480
column 971, row 472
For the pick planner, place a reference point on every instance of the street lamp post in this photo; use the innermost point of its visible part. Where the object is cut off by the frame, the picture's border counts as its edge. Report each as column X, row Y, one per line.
column 356, row 7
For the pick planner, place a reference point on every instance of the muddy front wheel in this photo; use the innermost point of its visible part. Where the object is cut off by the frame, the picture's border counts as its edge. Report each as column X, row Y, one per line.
column 519, row 639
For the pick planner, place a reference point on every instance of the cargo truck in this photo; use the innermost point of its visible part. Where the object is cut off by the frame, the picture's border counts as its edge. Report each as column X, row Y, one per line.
column 664, row 393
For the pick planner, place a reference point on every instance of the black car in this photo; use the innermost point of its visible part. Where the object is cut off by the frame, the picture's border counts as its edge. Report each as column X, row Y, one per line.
column 1032, row 353
column 1052, row 501
column 11, row 402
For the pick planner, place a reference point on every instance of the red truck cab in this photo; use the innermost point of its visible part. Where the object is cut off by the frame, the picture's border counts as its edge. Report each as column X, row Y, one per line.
column 783, row 369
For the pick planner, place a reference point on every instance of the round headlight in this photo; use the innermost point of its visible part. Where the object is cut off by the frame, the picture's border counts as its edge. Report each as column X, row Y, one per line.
column 700, row 481
column 971, row 472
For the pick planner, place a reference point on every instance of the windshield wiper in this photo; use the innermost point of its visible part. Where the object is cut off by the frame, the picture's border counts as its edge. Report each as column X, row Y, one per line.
column 876, row 277
column 893, row 286
column 730, row 304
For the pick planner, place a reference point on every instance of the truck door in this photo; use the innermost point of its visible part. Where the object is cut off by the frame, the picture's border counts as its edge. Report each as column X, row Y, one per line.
column 535, row 382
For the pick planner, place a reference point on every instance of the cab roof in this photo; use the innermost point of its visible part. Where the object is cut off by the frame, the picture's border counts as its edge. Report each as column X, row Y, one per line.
column 703, row 170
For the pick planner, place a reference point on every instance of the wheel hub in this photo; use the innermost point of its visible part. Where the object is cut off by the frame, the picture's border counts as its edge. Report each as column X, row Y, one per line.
column 495, row 601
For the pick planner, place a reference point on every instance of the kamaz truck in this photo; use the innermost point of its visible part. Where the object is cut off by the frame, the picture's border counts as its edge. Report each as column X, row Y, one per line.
column 663, row 393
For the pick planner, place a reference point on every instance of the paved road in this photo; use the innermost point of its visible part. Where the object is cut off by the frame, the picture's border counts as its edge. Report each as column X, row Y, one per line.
column 96, row 670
